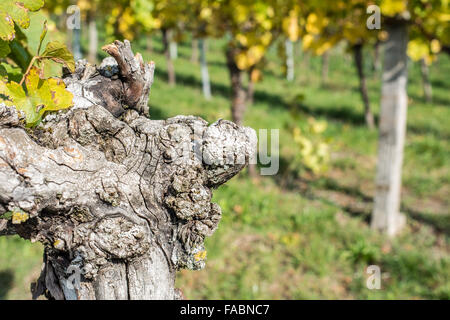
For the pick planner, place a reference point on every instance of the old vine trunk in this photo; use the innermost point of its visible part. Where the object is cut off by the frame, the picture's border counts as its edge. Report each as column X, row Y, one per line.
column 358, row 55
column 119, row 201
column 238, row 94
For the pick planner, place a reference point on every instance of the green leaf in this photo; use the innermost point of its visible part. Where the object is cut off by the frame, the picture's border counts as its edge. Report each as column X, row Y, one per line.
column 16, row 96
column 42, row 37
column 7, row 215
column 33, row 5
column 20, row 54
column 14, row 11
column 59, row 53
column 3, row 73
column 41, row 95
column 12, row 73
column 4, row 49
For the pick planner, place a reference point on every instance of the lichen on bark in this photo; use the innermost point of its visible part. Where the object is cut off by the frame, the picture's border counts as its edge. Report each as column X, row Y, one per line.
column 123, row 200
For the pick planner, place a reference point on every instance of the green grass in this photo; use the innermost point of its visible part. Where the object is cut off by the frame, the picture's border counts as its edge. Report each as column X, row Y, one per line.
column 311, row 238
column 20, row 264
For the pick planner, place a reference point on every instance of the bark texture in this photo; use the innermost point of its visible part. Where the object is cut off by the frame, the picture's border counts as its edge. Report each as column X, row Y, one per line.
column 376, row 66
column 194, row 51
column 238, row 94
column 119, row 201
column 358, row 55
column 392, row 130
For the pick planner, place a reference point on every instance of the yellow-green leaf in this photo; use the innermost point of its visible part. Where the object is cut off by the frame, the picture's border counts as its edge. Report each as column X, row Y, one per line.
column 6, row 26
column 59, row 53
column 41, row 95
column 32, row 5
column 14, row 11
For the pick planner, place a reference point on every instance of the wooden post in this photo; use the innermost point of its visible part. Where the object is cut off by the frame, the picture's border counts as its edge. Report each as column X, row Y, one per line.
column 206, row 84
column 76, row 44
column 386, row 216
column 289, row 60
column 93, row 39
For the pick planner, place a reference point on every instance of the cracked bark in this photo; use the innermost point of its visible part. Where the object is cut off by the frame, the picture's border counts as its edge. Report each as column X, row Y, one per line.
column 358, row 56
column 120, row 202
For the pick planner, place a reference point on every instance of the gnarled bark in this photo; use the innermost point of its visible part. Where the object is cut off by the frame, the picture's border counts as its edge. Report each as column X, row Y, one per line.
column 119, row 201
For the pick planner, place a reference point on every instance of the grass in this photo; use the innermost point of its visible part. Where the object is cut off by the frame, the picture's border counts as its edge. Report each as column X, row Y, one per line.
column 309, row 239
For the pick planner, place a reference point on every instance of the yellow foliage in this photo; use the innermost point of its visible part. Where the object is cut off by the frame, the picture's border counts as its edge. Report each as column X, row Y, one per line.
column 324, row 47
column 255, row 54
column 419, row 49
column 127, row 20
column 435, row 46
column 291, row 27
column 256, row 75
column 393, row 7
column 241, row 13
column 242, row 61
column 266, row 38
column 313, row 24
column 246, row 59
column 307, row 41
column 242, row 39
column 313, row 151
column 84, row 5
column 205, row 13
